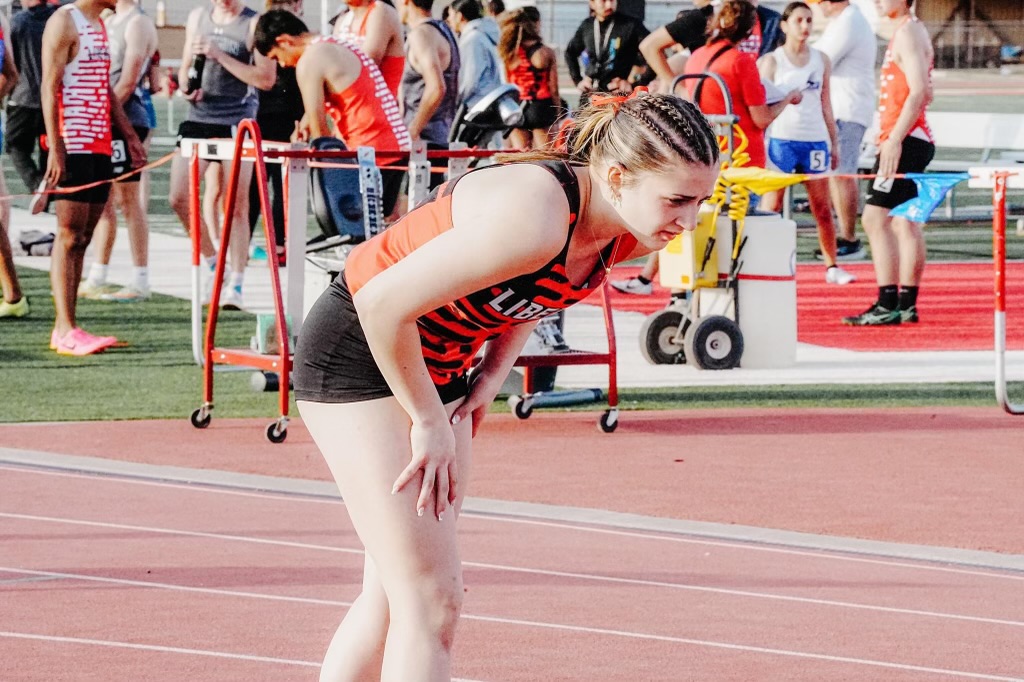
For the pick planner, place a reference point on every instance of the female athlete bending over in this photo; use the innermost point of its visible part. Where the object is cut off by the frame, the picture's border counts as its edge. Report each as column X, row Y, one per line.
column 382, row 369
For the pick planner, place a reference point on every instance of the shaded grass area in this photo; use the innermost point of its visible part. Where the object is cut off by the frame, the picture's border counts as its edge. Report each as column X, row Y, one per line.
column 153, row 377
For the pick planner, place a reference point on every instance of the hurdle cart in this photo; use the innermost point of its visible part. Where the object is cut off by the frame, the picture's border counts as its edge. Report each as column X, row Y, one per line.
column 275, row 363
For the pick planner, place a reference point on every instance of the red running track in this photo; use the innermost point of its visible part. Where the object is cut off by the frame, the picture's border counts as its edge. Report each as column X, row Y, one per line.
column 956, row 308
column 107, row 578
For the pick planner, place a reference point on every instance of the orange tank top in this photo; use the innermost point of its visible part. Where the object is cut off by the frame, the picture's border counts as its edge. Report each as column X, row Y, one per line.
column 893, row 92
column 391, row 66
column 452, row 334
column 365, row 113
column 532, row 82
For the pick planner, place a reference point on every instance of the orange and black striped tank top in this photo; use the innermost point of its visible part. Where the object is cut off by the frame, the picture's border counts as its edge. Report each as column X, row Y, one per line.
column 453, row 334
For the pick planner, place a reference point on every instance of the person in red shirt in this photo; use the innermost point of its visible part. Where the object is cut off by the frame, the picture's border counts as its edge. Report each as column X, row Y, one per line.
column 722, row 55
column 337, row 79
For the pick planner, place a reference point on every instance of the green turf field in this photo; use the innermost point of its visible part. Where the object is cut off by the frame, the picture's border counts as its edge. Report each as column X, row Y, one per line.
column 155, row 377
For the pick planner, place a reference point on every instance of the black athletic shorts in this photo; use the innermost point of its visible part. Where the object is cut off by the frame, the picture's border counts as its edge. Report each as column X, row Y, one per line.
column 891, row 192
column 83, row 169
column 204, row 131
column 333, row 363
column 539, row 113
column 120, row 158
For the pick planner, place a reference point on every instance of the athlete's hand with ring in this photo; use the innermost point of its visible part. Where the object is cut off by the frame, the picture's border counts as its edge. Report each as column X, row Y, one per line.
column 889, row 153
column 433, row 453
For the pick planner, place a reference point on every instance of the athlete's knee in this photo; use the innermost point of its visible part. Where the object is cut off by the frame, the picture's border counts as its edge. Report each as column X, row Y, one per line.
column 179, row 200
column 74, row 238
column 435, row 605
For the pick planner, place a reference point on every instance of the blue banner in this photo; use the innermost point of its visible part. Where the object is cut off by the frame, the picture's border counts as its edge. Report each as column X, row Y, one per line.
column 931, row 190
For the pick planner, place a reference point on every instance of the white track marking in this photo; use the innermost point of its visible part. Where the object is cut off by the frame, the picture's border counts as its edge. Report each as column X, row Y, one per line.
column 158, row 648
column 168, row 650
column 557, row 626
column 636, row 582
column 834, row 555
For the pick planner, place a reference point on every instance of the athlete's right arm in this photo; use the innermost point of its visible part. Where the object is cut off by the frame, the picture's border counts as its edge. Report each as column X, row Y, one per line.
column 506, row 221
column 653, row 49
column 59, row 39
column 309, row 73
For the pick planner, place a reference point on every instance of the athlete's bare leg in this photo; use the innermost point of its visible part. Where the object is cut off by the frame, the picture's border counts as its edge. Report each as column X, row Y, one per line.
column 8, row 275
column 76, row 222
column 415, row 559
column 179, row 200
column 884, row 247
column 821, row 209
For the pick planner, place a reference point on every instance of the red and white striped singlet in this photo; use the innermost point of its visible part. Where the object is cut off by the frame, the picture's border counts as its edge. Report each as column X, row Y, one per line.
column 84, row 104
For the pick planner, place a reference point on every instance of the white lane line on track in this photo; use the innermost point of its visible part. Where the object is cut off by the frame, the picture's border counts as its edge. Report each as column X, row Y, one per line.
column 168, row 649
column 561, row 627
column 634, row 582
column 832, row 555
column 158, row 648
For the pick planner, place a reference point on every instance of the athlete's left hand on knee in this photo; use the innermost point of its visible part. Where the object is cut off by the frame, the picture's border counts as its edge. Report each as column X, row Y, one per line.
column 481, row 394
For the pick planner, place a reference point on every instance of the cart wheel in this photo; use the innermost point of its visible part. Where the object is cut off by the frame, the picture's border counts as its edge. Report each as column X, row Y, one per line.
column 521, row 406
column 277, row 432
column 609, row 420
column 714, row 342
column 657, row 335
column 201, row 418
column 264, row 381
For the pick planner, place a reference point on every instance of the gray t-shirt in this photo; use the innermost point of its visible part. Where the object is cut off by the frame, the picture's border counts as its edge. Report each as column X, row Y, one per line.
column 116, row 34
column 27, row 40
column 226, row 100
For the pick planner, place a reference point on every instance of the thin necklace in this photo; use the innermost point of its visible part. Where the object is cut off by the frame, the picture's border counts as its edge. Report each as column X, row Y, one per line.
column 585, row 209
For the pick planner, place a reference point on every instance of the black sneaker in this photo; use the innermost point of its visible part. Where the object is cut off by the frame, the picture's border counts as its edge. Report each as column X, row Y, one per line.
column 874, row 316
column 845, row 250
column 909, row 315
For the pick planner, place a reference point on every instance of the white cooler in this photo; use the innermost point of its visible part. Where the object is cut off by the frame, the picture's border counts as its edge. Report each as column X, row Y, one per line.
column 767, row 292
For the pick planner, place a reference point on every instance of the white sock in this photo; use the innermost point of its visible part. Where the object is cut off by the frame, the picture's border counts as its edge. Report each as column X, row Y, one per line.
column 98, row 274
column 141, row 278
column 236, row 280
column 211, row 262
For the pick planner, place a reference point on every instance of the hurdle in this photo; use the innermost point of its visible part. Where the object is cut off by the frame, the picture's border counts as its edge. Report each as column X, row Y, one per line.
column 999, row 179
column 298, row 160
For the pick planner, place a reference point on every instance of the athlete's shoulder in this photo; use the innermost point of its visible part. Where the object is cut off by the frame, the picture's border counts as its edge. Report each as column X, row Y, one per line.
column 526, row 196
